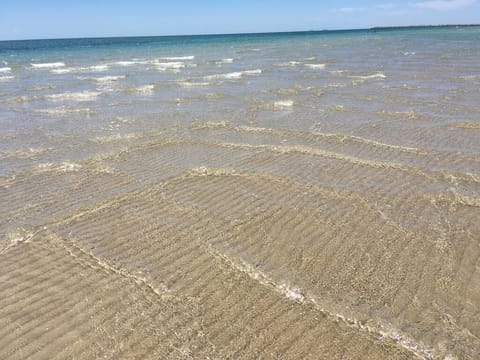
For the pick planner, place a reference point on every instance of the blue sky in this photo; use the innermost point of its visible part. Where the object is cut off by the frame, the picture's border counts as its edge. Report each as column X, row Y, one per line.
column 32, row 19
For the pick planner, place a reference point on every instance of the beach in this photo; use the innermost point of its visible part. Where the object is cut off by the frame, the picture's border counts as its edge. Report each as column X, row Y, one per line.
column 277, row 196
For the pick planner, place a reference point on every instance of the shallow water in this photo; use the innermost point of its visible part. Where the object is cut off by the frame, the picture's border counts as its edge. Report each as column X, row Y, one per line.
column 300, row 195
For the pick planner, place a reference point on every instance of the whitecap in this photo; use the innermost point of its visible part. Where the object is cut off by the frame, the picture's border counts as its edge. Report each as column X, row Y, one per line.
column 192, row 84
column 48, row 65
column 65, row 111
column 74, row 96
column 62, row 71
column 145, row 89
column 5, row 69
column 233, row 75
column 252, row 72
column 163, row 66
column 178, row 58
column 224, row 61
column 5, row 78
column 86, row 69
column 130, row 62
column 288, row 63
column 95, row 68
column 316, row 66
column 283, row 103
column 64, row 167
column 108, row 79
column 378, row 76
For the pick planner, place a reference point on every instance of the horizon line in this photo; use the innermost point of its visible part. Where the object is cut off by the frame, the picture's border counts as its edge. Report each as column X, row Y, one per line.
column 386, row 27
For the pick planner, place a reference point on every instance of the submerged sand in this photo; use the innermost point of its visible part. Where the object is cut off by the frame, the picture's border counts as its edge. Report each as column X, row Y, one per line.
column 242, row 242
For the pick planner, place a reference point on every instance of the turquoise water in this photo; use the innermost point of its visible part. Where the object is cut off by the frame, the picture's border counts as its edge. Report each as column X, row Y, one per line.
column 333, row 82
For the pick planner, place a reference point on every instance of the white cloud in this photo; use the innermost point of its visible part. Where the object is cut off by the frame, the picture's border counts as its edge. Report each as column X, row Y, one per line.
column 443, row 4
column 388, row 6
column 349, row 10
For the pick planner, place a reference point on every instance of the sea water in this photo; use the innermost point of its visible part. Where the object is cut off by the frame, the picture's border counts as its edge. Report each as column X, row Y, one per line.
column 352, row 82
column 330, row 177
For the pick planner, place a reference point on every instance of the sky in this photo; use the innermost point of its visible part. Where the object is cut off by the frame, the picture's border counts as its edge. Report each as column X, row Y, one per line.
column 37, row 19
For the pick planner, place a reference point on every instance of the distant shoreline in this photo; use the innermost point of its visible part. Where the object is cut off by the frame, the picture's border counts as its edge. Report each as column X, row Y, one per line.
column 376, row 28
column 421, row 26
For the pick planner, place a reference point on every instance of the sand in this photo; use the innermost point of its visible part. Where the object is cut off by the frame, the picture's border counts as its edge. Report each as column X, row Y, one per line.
column 227, row 242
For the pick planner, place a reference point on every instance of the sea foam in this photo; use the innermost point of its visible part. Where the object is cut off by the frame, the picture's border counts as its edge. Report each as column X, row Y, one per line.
column 288, row 63
column 86, row 69
column 74, row 96
column 130, row 62
column 378, row 76
column 283, row 104
column 233, row 75
column 189, row 84
column 178, row 58
column 5, row 69
column 224, row 61
column 316, row 66
column 163, row 66
column 108, row 79
column 48, row 65
column 65, row 111
column 145, row 89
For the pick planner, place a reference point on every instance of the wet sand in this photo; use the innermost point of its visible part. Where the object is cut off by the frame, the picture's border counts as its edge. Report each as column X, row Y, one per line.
column 197, row 247
column 275, row 196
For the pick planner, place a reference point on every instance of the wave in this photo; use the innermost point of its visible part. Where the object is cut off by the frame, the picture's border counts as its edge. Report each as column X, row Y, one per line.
column 127, row 63
column 338, row 72
column 145, row 89
column 163, row 66
column 224, row 61
column 163, row 63
column 115, row 137
column 48, row 65
column 23, row 99
column 62, row 71
column 341, row 138
column 288, row 63
column 467, row 125
column 7, row 77
column 29, row 153
column 40, row 87
column 108, row 79
column 189, row 84
column 470, row 77
column 233, row 75
column 75, row 96
column 93, row 68
column 65, row 111
column 5, row 69
column 316, row 66
column 62, row 167
column 178, row 58
column 283, row 104
column 377, row 76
